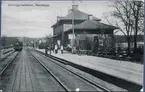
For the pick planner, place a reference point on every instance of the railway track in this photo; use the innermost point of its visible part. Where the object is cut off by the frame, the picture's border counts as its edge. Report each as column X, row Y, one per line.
column 65, row 88
column 5, row 52
column 6, row 63
column 27, row 75
column 89, row 82
column 3, row 58
column 33, row 71
column 116, row 82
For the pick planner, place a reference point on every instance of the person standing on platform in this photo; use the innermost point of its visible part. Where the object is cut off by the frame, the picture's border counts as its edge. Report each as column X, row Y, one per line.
column 46, row 49
column 55, row 48
column 77, row 48
column 50, row 49
column 33, row 46
column 61, row 49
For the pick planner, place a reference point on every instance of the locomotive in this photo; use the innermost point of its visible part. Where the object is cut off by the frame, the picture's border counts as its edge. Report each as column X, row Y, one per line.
column 18, row 46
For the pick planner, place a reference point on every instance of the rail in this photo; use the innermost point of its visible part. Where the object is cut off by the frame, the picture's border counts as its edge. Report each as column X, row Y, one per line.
column 8, row 64
column 126, row 84
column 52, row 74
column 85, row 79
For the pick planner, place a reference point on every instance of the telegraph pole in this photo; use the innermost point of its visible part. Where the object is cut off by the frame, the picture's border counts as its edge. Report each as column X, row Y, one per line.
column 73, row 31
column 73, row 23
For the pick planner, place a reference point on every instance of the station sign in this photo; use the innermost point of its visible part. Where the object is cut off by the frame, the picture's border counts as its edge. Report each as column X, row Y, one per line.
column 70, row 36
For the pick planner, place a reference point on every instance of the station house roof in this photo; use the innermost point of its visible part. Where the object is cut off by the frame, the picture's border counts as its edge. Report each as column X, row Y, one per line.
column 91, row 25
column 76, row 15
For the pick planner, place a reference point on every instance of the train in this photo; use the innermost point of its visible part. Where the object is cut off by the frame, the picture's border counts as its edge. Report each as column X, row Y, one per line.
column 18, row 46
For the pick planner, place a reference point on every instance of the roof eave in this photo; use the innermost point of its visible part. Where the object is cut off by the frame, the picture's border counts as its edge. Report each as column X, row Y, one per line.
column 66, row 20
column 90, row 29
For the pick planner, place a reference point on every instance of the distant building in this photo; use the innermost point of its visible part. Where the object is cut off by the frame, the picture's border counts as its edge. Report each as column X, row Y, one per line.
column 121, row 40
column 83, row 24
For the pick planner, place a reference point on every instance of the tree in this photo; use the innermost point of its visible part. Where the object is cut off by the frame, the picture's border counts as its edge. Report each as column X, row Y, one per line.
column 130, row 15
column 137, row 8
column 4, row 39
column 124, row 14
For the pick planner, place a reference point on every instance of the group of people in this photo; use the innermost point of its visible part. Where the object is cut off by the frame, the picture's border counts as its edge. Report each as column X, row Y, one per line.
column 54, row 49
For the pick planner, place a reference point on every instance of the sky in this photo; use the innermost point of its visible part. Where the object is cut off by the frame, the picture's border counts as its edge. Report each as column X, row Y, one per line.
column 36, row 21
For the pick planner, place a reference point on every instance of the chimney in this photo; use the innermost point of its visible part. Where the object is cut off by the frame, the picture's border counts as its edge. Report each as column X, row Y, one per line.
column 75, row 7
column 90, row 17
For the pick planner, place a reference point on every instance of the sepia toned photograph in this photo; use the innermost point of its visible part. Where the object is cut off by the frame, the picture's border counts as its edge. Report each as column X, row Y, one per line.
column 72, row 46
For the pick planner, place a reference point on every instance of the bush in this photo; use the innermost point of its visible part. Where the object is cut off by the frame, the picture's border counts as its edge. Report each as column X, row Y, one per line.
column 41, row 46
column 67, row 49
column 140, row 50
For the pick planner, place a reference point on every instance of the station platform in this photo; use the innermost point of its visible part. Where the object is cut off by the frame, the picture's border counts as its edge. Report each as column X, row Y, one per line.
column 125, row 70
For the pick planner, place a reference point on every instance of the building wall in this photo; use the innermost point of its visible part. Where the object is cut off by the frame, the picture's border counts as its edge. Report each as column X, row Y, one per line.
column 68, row 24
column 58, row 29
column 63, row 26
column 56, row 39
column 66, row 27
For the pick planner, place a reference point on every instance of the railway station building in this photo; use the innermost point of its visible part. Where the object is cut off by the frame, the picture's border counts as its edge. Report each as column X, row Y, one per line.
column 86, row 26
